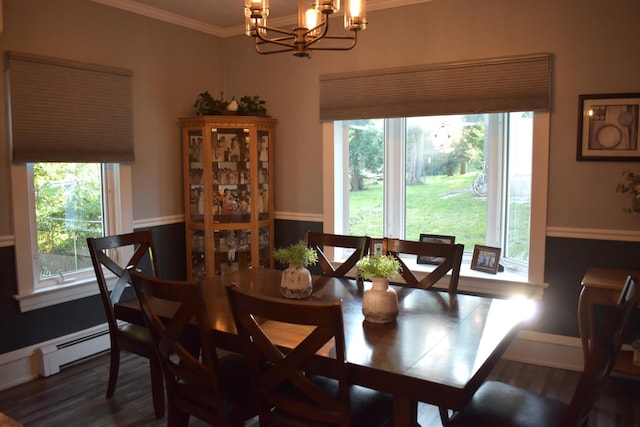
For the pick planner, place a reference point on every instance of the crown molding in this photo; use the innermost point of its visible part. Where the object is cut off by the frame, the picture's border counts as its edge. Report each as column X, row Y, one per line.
column 163, row 15
column 224, row 32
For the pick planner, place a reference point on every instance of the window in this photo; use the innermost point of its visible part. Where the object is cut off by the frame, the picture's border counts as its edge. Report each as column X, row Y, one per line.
column 68, row 209
column 56, row 207
column 489, row 85
column 68, row 112
column 470, row 176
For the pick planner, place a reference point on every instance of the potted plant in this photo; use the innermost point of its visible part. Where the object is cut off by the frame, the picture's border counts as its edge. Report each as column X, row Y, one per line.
column 296, row 279
column 380, row 302
column 207, row 105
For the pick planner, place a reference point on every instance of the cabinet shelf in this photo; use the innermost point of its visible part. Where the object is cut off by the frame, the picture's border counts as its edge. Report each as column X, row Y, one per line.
column 228, row 176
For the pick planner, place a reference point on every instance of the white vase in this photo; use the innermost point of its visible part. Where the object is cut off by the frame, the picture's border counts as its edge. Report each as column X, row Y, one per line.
column 380, row 302
column 296, row 282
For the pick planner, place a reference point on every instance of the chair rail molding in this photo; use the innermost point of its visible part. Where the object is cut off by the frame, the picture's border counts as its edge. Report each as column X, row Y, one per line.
column 594, row 234
column 6, row 241
column 299, row 216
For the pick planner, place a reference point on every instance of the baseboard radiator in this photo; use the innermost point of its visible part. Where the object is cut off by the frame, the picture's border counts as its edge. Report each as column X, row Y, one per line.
column 56, row 355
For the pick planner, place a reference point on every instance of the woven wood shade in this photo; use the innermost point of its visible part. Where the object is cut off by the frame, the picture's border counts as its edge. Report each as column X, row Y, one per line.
column 63, row 111
column 493, row 85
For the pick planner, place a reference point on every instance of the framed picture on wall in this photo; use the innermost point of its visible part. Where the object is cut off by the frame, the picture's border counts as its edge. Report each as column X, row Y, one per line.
column 485, row 258
column 608, row 127
column 434, row 238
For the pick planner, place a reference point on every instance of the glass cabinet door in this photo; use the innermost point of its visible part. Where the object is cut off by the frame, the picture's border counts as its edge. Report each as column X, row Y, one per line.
column 196, row 183
column 198, row 265
column 231, row 178
column 263, row 174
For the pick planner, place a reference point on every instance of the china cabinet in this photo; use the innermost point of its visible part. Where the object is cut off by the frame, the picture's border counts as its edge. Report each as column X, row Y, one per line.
column 228, row 186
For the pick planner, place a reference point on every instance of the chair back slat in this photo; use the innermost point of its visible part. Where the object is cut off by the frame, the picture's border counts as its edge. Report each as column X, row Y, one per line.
column 318, row 241
column 279, row 375
column 101, row 249
column 450, row 255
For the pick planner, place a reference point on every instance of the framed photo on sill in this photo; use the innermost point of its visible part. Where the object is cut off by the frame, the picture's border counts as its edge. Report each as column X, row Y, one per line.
column 485, row 258
column 434, row 238
column 377, row 247
column 608, row 127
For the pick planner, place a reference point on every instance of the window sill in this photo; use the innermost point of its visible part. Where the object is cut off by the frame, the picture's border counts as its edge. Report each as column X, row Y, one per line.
column 503, row 284
column 57, row 294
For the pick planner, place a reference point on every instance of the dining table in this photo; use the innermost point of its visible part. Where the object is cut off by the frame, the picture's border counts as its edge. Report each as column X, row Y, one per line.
column 439, row 350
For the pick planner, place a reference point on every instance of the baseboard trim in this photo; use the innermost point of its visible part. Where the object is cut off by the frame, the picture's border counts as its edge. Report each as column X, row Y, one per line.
column 554, row 351
column 47, row 358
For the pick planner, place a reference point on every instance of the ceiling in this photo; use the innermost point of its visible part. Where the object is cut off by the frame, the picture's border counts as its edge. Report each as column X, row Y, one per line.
column 223, row 18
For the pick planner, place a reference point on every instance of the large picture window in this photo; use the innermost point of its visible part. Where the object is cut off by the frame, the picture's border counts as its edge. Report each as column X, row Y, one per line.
column 463, row 175
column 481, row 178
column 458, row 148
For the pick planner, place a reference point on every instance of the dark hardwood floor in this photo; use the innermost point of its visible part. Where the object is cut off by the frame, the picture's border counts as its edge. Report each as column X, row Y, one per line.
column 75, row 396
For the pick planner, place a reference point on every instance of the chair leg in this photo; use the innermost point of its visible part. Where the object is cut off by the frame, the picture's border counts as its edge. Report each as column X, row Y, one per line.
column 114, row 367
column 157, row 387
column 444, row 415
column 177, row 418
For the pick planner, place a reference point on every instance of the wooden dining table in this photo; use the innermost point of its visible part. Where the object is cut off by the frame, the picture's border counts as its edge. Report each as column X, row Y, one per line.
column 439, row 350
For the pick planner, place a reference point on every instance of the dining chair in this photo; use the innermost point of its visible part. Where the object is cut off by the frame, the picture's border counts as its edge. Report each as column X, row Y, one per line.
column 450, row 255
column 126, row 336
column 498, row 404
column 216, row 389
column 359, row 246
column 287, row 394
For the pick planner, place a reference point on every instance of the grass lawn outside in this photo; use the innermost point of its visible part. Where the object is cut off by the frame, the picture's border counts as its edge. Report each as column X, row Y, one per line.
column 438, row 205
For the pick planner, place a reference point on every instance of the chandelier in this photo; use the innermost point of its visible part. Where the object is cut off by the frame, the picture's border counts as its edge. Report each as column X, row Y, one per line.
column 313, row 26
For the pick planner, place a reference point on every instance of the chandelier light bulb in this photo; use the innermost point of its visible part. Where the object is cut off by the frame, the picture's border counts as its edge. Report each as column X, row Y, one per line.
column 354, row 15
column 327, row 6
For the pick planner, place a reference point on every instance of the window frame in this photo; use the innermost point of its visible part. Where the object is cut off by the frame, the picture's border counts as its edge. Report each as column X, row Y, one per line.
column 118, row 213
column 335, row 157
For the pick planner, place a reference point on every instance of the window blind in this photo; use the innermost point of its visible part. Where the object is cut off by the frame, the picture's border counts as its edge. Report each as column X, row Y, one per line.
column 519, row 83
column 64, row 111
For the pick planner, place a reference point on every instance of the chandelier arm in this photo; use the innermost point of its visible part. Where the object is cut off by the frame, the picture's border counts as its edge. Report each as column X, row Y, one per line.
column 273, row 29
column 272, row 51
column 278, row 42
column 354, row 40
column 274, row 40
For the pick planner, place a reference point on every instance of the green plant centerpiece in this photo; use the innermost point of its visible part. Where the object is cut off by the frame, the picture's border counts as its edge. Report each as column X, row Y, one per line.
column 380, row 302
column 296, row 279
column 298, row 254
column 379, row 266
